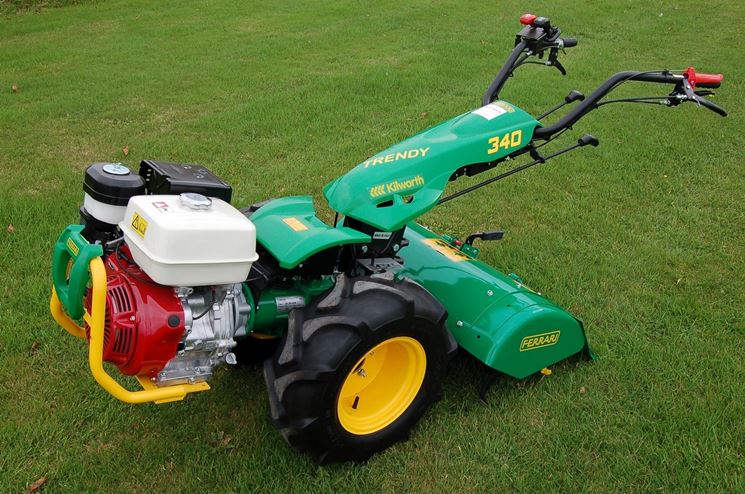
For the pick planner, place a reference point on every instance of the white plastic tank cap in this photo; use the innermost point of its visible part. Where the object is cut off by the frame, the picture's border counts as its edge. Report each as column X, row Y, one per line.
column 193, row 200
column 116, row 169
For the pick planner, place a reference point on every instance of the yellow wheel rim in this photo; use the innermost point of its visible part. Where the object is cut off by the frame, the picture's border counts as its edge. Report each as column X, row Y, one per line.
column 381, row 385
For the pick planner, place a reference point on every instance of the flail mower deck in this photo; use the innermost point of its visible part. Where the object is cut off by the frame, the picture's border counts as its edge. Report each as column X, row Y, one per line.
column 165, row 278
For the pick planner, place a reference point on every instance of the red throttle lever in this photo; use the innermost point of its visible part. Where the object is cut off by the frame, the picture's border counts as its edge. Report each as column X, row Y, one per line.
column 697, row 79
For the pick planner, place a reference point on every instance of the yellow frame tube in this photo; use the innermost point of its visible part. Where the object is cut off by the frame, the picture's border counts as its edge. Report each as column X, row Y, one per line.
column 55, row 306
column 95, row 320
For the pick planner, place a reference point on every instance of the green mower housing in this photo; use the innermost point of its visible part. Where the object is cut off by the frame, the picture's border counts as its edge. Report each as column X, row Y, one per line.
column 493, row 316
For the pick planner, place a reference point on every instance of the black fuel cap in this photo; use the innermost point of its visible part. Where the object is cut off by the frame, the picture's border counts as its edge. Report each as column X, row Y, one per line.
column 112, row 183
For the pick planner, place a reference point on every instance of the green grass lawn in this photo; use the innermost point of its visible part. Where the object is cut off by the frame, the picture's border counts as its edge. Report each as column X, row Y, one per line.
column 643, row 237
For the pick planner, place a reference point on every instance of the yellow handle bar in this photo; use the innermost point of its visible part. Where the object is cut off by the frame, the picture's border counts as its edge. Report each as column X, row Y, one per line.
column 95, row 319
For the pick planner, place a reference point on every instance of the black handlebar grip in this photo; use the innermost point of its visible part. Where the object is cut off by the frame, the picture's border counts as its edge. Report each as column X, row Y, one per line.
column 570, row 42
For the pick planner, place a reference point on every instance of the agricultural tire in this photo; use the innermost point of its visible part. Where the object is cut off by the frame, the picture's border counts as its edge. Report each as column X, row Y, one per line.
column 250, row 210
column 358, row 368
column 254, row 349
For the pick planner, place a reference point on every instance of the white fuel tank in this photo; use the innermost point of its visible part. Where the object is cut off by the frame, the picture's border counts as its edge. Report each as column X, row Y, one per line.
column 189, row 239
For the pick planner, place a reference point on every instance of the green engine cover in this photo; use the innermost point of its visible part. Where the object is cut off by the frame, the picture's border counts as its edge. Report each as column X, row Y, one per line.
column 399, row 184
column 493, row 316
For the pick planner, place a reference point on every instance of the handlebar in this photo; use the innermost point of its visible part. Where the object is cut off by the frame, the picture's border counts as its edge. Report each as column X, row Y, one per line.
column 539, row 36
column 570, row 42
column 589, row 103
column 693, row 80
column 683, row 92
column 535, row 38
column 496, row 85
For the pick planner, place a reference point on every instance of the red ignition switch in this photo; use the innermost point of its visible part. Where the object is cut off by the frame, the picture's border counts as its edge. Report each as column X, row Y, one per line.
column 527, row 19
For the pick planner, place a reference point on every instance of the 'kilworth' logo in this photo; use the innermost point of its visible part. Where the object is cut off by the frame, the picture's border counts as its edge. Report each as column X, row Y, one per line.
column 396, row 186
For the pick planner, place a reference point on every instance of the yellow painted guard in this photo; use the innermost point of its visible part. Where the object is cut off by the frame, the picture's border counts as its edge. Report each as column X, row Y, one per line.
column 95, row 319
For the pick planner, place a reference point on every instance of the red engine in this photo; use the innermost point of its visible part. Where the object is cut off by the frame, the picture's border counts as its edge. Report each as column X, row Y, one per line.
column 144, row 321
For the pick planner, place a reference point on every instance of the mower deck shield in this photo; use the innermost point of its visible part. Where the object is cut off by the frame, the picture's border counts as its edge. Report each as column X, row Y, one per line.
column 495, row 317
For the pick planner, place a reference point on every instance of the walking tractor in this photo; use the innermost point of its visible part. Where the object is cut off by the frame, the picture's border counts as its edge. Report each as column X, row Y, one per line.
column 166, row 280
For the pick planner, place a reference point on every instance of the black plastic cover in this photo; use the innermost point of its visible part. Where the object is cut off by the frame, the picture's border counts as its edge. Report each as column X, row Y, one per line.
column 175, row 178
column 96, row 230
column 109, row 188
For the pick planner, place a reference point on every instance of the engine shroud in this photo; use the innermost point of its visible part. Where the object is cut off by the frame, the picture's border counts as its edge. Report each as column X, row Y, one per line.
column 144, row 323
column 169, row 334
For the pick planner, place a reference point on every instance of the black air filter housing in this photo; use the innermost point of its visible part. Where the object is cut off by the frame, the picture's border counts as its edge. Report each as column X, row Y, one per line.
column 108, row 188
column 176, row 178
column 112, row 183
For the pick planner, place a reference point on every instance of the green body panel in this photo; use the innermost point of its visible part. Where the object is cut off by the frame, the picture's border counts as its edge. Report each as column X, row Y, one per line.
column 401, row 183
column 289, row 229
column 493, row 316
column 268, row 319
column 72, row 246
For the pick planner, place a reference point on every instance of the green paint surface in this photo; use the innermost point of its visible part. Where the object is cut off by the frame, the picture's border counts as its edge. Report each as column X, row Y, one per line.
column 489, row 313
column 404, row 181
column 291, row 231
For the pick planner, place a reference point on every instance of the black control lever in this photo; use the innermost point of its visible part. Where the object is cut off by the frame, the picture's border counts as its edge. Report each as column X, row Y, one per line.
column 537, row 160
column 688, row 90
column 490, row 235
column 573, row 96
column 588, row 139
column 685, row 92
column 553, row 61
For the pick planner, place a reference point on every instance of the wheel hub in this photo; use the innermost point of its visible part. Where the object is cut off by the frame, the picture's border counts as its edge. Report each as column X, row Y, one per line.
column 382, row 385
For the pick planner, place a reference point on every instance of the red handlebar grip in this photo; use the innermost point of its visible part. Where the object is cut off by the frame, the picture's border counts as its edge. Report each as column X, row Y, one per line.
column 697, row 79
column 709, row 80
